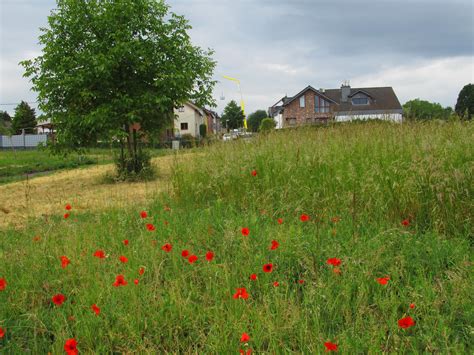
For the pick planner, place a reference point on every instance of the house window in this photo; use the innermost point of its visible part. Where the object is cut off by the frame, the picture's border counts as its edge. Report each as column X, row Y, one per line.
column 320, row 105
column 360, row 101
column 302, row 101
column 184, row 126
column 181, row 109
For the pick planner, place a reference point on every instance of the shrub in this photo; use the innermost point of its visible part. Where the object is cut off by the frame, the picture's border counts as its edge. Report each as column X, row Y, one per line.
column 188, row 141
column 133, row 168
column 268, row 124
column 202, row 130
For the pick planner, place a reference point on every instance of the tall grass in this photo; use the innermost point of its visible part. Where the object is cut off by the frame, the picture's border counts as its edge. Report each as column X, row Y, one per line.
column 370, row 176
column 371, row 172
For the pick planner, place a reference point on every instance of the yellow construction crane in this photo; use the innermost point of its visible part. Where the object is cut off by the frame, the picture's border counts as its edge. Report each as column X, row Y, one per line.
column 242, row 106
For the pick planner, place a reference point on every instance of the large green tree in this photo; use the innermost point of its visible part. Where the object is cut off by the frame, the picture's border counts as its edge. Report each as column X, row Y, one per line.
column 424, row 110
column 108, row 65
column 255, row 119
column 233, row 117
column 465, row 103
column 24, row 118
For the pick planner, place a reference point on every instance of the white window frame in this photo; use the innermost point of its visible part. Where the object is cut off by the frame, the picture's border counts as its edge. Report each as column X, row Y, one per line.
column 302, row 101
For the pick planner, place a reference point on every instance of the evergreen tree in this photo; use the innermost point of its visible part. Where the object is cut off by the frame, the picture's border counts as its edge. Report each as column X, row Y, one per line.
column 233, row 116
column 24, row 118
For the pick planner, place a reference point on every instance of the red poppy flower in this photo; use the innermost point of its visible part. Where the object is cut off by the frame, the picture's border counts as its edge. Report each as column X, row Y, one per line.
column 66, row 215
column 143, row 214
column 64, row 261
column 253, row 277
column 304, row 217
column 150, row 227
column 123, row 259
column 276, row 284
column 405, row 222
column 244, row 338
column 383, row 280
column 192, row 259
column 333, row 261
column 99, row 254
column 330, row 346
column 68, row 207
column 95, row 309
column 185, row 253
column 3, row 284
column 406, row 322
column 125, row 242
column 335, row 219
column 241, row 293
column 280, row 220
column 301, row 282
column 254, row 172
column 243, row 352
column 58, row 299
column 245, row 232
column 37, row 238
column 167, row 247
column 267, row 268
column 135, row 281
column 412, row 305
column 119, row 281
column 209, row 255
column 336, row 270
column 275, row 245
column 71, row 347
column 141, row 271
column 2, row 333
column 167, row 208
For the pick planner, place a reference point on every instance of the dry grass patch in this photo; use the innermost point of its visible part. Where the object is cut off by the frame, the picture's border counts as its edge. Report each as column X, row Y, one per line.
column 83, row 188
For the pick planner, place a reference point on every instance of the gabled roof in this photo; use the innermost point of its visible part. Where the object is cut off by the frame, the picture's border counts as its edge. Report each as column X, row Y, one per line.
column 383, row 98
column 309, row 87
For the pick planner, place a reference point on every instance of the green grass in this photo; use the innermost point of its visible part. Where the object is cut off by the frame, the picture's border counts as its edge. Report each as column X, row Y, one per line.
column 371, row 176
column 17, row 165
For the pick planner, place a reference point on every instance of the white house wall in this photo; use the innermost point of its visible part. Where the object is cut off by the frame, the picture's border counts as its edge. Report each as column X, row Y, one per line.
column 396, row 117
column 191, row 117
column 278, row 121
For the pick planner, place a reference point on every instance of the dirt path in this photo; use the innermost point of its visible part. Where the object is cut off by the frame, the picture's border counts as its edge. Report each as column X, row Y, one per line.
column 82, row 188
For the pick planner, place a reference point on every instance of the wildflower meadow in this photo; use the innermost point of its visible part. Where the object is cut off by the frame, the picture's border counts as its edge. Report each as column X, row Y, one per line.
column 353, row 238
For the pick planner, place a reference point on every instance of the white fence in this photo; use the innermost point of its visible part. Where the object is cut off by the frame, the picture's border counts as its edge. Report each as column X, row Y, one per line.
column 22, row 140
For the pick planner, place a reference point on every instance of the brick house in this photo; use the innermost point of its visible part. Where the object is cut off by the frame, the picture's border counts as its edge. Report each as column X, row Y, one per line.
column 311, row 106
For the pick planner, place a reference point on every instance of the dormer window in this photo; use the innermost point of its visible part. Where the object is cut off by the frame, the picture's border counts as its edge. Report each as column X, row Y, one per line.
column 302, row 101
column 360, row 101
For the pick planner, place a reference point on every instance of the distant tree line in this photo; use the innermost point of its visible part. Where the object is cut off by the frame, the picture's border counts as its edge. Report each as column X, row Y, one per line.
column 424, row 110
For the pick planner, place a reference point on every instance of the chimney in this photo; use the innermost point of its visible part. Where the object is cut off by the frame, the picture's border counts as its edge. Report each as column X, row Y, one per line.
column 345, row 91
column 322, row 90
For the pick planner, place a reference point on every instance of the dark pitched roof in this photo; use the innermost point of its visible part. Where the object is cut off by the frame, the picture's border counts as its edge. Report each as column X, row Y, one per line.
column 309, row 87
column 383, row 98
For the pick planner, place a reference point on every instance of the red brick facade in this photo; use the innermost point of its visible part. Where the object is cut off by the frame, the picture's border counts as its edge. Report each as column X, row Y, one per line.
column 294, row 115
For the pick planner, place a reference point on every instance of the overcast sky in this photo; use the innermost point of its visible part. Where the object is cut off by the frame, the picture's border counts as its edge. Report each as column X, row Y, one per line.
column 422, row 48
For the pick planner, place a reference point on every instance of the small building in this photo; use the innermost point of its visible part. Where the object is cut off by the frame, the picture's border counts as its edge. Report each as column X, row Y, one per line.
column 311, row 106
column 188, row 119
column 213, row 121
